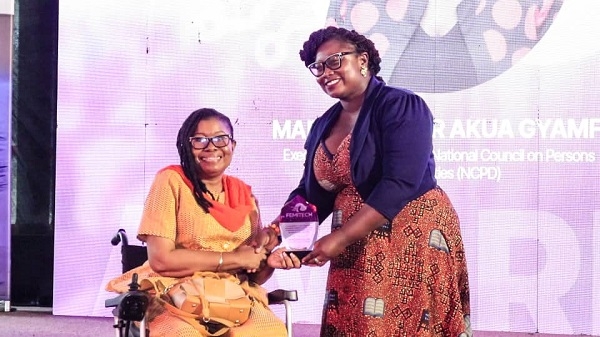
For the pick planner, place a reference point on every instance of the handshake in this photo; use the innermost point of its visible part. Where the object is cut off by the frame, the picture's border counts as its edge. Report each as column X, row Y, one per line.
column 294, row 233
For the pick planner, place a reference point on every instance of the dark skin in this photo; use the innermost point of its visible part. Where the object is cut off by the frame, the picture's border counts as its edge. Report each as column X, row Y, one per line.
column 349, row 86
column 168, row 260
column 267, row 239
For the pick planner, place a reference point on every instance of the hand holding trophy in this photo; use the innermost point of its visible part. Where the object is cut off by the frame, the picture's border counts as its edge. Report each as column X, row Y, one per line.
column 298, row 225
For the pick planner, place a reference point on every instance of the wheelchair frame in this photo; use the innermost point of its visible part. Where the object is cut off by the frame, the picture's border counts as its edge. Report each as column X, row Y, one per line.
column 130, row 307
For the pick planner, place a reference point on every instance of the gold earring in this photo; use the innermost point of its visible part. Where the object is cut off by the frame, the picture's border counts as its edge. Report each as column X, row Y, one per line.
column 363, row 71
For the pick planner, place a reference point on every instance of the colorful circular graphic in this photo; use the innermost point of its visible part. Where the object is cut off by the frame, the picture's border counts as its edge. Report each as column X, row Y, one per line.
column 449, row 45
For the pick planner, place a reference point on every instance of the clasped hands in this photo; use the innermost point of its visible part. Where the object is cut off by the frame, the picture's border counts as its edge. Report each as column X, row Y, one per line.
column 326, row 248
column 263, row 244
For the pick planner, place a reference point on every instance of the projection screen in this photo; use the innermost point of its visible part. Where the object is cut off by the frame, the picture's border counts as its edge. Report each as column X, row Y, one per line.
column 513, row 86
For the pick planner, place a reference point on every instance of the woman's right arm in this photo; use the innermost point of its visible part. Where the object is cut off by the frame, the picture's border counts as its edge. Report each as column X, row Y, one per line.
column 158, row 229
column 167, row 260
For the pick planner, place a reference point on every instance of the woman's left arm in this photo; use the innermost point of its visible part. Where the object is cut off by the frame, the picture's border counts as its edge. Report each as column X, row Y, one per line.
column 407, row 144
column 405, row 134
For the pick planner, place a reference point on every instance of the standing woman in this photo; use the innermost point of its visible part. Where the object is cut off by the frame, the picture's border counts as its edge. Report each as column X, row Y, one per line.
column 397, row 258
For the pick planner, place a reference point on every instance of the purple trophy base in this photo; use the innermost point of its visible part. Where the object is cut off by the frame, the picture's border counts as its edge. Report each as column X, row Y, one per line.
column 299, row 253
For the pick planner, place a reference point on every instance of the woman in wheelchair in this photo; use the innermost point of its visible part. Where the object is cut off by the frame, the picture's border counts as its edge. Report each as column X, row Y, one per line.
column 198, row 219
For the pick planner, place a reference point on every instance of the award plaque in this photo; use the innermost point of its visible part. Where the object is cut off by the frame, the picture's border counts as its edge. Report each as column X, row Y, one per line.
column 299, row 225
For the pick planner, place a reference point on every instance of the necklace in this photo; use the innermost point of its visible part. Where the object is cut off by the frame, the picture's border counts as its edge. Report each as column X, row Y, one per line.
column 212, row 195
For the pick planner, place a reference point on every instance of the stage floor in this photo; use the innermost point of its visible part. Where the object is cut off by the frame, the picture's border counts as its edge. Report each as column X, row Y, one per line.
column 40, row 322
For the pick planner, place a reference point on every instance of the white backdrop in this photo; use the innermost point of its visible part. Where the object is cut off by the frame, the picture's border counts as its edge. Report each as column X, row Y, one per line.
column 512, row 84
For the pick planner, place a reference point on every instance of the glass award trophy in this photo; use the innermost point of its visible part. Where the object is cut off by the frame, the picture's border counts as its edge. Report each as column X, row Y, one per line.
column 298, row 225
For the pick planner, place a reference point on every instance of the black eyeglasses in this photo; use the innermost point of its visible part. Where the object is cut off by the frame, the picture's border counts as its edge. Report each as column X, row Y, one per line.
column 201, row 143
column 332, row 62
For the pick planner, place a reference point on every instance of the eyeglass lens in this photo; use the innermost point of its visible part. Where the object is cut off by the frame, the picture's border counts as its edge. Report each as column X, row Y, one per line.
column 332, row 62
column 200, row 143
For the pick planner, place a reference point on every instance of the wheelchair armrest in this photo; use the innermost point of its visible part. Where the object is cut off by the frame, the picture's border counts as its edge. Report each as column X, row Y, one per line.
column 114, row 302
column 130, row 306
column 279, row 296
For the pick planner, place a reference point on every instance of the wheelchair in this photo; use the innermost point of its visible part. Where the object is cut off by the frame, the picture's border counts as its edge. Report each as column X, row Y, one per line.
column 130, row 307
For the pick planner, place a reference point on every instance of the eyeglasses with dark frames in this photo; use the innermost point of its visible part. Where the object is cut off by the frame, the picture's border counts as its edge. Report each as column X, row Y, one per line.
column 332, row 62
column 201, row 143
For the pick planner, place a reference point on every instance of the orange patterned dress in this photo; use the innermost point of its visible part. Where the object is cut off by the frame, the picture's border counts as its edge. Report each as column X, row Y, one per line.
column 407, row 278
column 171, row 212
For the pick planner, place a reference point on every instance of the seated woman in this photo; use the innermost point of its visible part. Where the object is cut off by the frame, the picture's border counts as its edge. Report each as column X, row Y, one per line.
column 196, row 218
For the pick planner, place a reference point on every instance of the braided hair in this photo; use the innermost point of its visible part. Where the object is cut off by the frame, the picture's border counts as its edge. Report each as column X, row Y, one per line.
column 308, row 53
column 186, row 156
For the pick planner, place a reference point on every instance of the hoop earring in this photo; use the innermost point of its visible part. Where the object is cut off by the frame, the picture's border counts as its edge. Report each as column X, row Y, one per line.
column 363, row 71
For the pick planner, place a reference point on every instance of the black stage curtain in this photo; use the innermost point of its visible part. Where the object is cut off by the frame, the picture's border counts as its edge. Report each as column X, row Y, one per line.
column 33, row 151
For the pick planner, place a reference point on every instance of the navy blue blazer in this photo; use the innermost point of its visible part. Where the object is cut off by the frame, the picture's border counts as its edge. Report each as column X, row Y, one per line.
column 391, row 151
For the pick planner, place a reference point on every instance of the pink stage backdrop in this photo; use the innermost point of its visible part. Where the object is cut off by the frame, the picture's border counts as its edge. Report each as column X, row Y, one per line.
column 513, row 85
